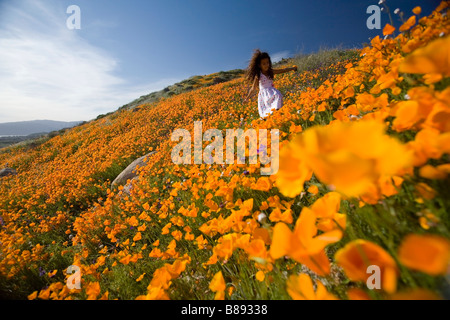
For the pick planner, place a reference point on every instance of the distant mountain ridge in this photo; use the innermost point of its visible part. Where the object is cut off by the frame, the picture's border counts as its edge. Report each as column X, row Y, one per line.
column 24, row 128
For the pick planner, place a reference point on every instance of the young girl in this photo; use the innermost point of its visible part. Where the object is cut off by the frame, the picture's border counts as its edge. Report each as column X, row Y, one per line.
column 260, row 70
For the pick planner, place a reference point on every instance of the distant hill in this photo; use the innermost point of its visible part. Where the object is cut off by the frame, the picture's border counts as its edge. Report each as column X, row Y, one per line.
column 16, row 140
column 24, row 128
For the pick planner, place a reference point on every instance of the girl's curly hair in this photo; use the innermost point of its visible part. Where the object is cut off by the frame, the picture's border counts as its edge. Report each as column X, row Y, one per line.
column 253, row 69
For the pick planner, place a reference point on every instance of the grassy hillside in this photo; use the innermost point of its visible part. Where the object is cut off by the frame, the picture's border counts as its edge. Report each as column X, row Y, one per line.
column 362, row 181
column 192, row 83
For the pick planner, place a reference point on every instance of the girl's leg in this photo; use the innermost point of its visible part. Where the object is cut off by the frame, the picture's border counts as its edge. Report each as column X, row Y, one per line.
column 279, row 100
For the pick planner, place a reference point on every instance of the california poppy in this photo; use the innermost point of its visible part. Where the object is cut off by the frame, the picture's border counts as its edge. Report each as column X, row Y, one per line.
column 327, row 212
column 218, row 286
column 408, row 24
column 350, row 156
column 388, row 30
column 358, row 255
column 426, row 253
column 431, row 59
column 300, row 287
column 304, row 244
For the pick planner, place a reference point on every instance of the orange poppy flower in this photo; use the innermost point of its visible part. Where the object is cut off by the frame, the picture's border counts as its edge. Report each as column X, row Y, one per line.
column 178, row 266
column 425, row 191
column 303, row 244
column 228, row 243
column 154, row 293
column 429, row 144
column 313, row 189
column 93, row 290
column 260, row 276
column 293, row 171
column 415, row 294
column 326, row 210
column 439, row 117
column 357, row 294
column 407, row 114
column 444, row 4
column 386, row 185
column 165, row 229
column 132, row 221
column 417, row 10
column 140, row 277
column 256, row 249
column 388, row 30
column 368, row 102
column 263, row 184
column 137, row 237
column 431, row 59
column 432, row 78
column 359, row 254
column 155, row 253
column 177, row 235
column 430, row 172
column 161, row 278
column 276, row 215
column 44, row 294
column 201, row 242
column 408, row 24
column 349, row 156
column 33, row 295
column 300, row 287
column 426, row 253
column 218, row 285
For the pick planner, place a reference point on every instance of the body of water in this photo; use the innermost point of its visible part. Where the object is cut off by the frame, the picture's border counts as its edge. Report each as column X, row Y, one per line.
column 8, row 136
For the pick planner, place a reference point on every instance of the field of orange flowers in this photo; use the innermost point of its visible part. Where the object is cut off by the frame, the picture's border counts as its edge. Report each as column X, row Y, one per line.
column 363, row 181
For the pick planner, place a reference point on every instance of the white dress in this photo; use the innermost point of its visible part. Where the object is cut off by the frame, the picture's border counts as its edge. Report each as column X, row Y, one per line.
column 268, row 98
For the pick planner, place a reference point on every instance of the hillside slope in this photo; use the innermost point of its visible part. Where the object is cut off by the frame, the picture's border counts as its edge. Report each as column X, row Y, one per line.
column 364, row 153
column 192, row 83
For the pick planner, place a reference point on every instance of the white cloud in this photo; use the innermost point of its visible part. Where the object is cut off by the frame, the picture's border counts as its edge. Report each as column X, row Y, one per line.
column 50, row 72
column 277, row 56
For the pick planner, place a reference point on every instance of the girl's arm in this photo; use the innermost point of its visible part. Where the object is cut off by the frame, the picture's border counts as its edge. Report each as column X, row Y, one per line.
column 278, row 71
column 253, row 88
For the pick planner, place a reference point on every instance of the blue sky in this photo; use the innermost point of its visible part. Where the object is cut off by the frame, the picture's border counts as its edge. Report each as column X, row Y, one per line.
column 126, row 49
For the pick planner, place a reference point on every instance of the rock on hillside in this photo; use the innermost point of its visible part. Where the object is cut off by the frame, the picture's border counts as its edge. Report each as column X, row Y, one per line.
column 7, row 172
column 129, row 172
